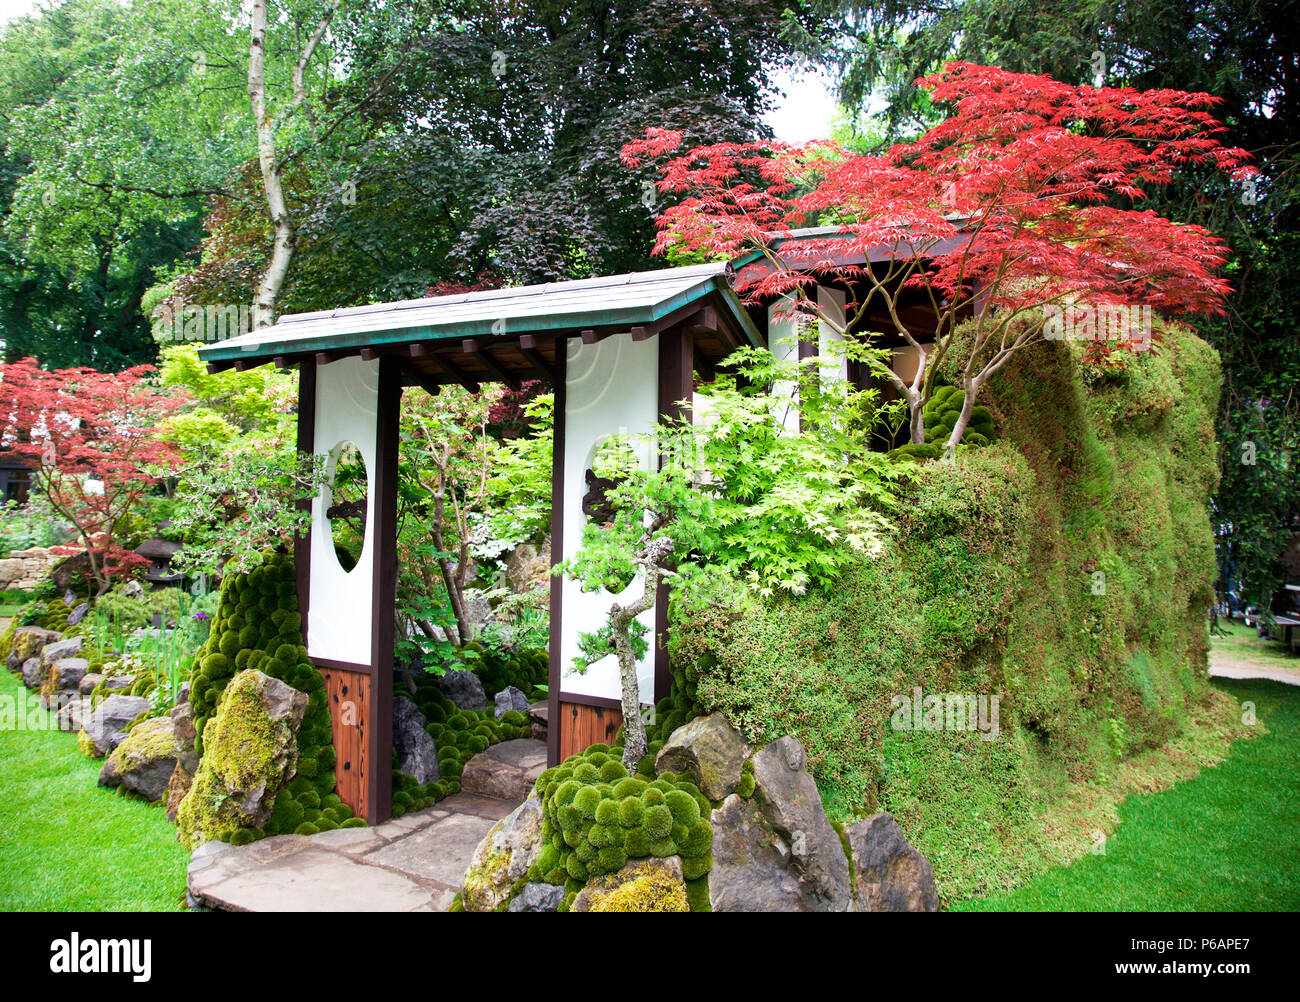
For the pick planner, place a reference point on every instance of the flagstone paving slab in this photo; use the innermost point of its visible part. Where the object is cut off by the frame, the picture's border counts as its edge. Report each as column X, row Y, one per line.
column 413, row 863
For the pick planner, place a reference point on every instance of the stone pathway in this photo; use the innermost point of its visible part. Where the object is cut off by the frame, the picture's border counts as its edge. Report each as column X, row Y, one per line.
column 414, row 863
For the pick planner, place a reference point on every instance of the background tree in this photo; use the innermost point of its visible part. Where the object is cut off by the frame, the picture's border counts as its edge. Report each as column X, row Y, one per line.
column 91, row 440
column 999, row 211
column 77, row 251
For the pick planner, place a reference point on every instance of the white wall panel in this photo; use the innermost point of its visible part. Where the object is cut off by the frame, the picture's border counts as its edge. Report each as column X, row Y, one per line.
column 339, row 614
column 612, row 387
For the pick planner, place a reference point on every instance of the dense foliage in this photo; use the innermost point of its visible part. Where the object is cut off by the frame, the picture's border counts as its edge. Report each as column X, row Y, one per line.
column 1065, row 569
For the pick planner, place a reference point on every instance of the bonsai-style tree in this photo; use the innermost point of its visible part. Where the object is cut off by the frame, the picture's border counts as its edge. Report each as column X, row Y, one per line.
column 91, row 439
column 1025, row 199
column 732, row 509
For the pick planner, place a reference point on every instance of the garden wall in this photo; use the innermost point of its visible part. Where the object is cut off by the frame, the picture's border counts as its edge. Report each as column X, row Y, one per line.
column 1065, row 569
column 27, row 569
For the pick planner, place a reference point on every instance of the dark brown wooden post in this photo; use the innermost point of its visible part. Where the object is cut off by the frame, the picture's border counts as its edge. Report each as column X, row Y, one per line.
column 306, row 444
column 379, row 730
column 676, row 384
column 553, row 721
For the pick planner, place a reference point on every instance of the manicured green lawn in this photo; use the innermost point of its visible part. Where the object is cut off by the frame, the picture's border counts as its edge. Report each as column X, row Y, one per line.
column 66, row 844
column 1227, row 840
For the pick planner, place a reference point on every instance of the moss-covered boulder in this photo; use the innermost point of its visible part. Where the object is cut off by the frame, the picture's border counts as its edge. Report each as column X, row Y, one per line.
column 145, row 761
column 250, row 755
column 776, row 850
column 503, row 858
column 26, row 643
column 32, row 673
column 537, row 897
column 646, row 885
column 62, row 678
column 710, row 751
column 187, row 759
column 69, row 647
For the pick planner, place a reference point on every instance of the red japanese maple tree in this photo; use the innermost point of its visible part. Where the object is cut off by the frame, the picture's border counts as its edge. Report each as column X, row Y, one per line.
column 90, row 439
column 1019, row 208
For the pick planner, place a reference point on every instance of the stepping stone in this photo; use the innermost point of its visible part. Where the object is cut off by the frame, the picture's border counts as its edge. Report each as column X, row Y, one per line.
column 473, row 803
column 441, row 852
column 313, row 880
column 506, row 771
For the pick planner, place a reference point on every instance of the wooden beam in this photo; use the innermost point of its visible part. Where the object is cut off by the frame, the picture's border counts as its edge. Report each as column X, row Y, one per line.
column 643, row 333
column 306, row 444
column 281, row 362
column 709, row 320
column 676, row 384
column 555, row 724
column 484, row 355
column 459, row 375
column 528, row 347
column 326, row 357
column 411, row 376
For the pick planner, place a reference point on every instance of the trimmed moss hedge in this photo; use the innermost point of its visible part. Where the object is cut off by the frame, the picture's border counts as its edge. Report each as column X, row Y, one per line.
column 524, row 669
column 258, row 626
column 1065, row 568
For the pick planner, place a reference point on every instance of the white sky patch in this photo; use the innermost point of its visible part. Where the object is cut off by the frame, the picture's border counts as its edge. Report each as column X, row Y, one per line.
column 11, row 9
column 807, row 109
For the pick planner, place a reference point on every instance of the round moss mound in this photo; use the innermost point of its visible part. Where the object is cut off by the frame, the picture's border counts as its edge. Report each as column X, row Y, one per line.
column 940, row 415
column 596, row 817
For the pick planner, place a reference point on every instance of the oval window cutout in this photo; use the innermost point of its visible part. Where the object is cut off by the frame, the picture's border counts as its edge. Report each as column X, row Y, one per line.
column 611, row 459
column 346, row 510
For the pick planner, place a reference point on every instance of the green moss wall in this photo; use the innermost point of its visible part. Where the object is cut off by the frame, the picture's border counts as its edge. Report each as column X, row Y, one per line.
column 991, row 586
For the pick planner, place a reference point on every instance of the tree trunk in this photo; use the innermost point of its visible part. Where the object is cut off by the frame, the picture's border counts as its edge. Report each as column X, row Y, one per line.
column 285, row 237
column 656, row 553
column 634, row 740
column 970, row 387
column 916, row 420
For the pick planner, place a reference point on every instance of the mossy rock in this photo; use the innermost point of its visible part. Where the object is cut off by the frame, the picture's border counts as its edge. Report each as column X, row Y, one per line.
column 641, row 886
